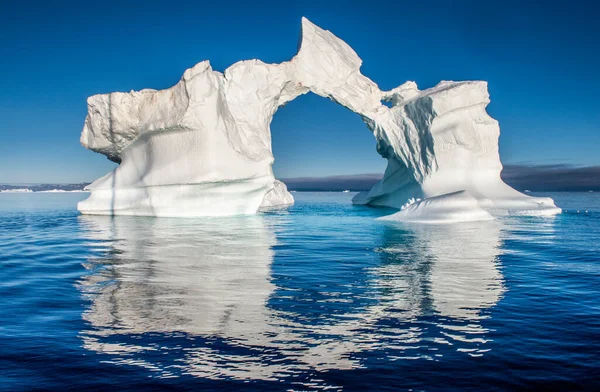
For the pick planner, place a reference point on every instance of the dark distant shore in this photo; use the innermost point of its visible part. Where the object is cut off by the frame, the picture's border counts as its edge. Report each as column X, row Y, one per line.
column 540, row 178
column 43, row 187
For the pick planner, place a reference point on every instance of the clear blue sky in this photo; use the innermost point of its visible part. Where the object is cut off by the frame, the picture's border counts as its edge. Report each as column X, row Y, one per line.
column 542, row 62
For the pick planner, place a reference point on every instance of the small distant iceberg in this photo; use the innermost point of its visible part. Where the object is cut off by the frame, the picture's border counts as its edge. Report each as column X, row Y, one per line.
column 42, row 188
column 16, row 190
column 346, row 191
column 27, row 190
column 64, row 191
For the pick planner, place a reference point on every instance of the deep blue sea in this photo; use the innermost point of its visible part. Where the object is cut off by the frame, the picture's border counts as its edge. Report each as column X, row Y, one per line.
column 320, row 296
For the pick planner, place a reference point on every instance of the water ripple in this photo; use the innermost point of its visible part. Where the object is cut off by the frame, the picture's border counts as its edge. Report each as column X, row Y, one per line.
column 320, row 296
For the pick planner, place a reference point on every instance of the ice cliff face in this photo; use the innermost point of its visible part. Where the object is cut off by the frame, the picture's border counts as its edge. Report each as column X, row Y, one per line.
column 203, row 146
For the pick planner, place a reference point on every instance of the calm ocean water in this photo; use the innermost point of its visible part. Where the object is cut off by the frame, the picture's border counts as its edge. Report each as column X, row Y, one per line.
column 320, row 296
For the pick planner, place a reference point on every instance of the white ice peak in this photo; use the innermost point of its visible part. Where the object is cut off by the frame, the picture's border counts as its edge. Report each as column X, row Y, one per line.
column 203, row 146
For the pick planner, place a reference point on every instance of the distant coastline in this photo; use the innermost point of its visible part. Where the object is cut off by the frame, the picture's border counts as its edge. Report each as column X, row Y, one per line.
column 524, row 178
column 42, row 188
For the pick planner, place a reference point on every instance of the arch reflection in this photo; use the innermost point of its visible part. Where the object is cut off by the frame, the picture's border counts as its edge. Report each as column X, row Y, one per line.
column 201, row 291
column 451, row 272
column 204, row 278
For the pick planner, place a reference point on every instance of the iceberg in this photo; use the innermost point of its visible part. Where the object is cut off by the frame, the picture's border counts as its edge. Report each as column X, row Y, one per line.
column 277, row 197
column 448, row 208
column 203, row 146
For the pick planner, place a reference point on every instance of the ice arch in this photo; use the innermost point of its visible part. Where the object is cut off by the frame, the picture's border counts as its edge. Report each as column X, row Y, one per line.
column 203, row 146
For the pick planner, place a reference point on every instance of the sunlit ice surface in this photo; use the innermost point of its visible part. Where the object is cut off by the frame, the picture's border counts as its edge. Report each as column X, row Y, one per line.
column 317, row 296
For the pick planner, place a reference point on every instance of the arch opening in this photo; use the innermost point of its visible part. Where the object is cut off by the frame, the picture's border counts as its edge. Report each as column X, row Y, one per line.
column 313, row 139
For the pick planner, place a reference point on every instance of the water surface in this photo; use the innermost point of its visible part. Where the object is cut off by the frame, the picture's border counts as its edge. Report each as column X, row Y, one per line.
column 318, row 296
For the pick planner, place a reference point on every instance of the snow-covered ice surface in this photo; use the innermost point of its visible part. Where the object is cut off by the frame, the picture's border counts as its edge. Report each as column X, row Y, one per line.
column 203, row 146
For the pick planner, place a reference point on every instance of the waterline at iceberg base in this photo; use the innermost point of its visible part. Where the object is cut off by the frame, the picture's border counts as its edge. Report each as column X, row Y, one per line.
column 203, row 146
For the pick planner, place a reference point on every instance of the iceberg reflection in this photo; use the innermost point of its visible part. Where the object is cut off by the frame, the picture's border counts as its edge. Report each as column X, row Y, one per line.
column 202, row 291
column 209, row 278
column 449, row 271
